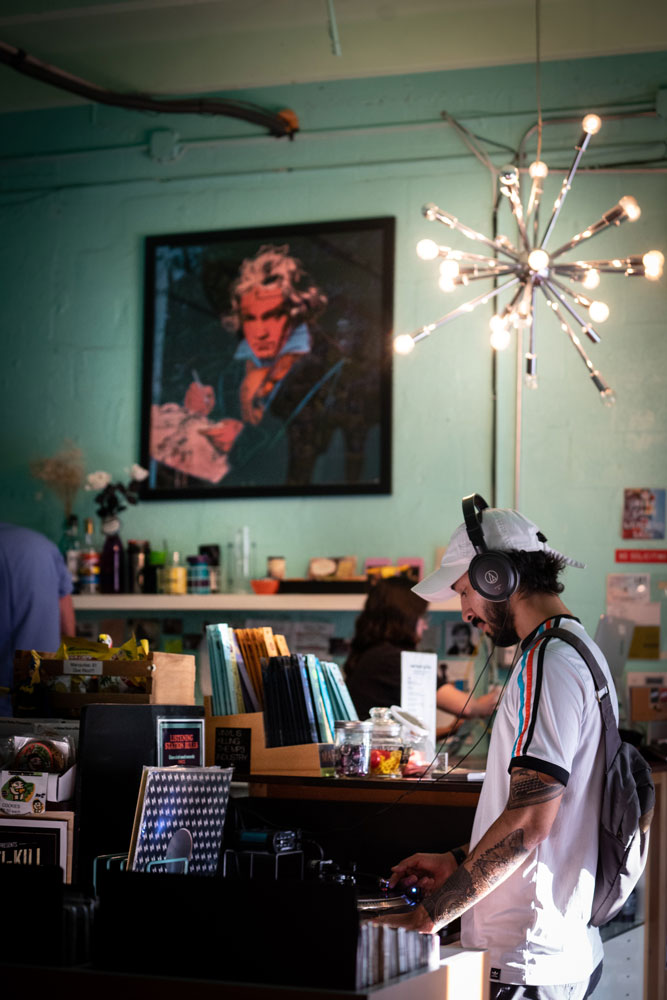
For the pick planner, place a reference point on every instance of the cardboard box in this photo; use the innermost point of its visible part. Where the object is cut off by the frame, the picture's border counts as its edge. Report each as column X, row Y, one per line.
column 160, row 679
column 45, row 791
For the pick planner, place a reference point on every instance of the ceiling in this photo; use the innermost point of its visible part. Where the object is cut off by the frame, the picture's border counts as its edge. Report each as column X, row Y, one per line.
column 195, row 47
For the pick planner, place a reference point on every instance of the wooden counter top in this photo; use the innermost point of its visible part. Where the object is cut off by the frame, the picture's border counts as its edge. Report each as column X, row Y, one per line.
column 428, row 791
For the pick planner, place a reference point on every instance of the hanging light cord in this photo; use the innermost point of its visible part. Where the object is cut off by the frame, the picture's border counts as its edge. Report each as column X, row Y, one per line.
column 538, row 81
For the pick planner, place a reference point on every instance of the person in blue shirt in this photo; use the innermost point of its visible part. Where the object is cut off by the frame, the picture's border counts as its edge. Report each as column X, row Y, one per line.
column 35, row 599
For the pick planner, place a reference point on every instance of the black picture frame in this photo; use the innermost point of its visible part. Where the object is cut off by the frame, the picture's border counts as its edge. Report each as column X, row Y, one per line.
column 313, row 419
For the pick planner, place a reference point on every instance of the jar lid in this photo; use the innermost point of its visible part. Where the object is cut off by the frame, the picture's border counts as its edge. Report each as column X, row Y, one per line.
column 385, row 729
column 380, row 714
column 352, row 725
column 411, row 722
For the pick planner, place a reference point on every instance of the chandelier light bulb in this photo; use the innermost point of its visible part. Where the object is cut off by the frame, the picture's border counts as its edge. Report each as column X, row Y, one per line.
column 446, row 284
column 500, row 335
column 592, row 279
column 608, row 397
column 404, row 343
column 538, row 169
column 653, row 262
column 591, row 124
column 500, row 339
column 630, row 207
column 449, row 268
column 530, row 269
column 538, row 260
column 598, row 311
column 530, row 381
column 427, row 249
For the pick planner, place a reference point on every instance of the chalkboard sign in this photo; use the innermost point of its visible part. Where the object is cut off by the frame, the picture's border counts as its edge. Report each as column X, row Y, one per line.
column 232, row 748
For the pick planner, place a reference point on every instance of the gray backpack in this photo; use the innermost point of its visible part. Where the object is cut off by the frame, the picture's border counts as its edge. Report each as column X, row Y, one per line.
column 628, row 800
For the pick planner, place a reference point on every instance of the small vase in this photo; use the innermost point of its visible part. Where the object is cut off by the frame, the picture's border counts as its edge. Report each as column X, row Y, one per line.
column 112, row 559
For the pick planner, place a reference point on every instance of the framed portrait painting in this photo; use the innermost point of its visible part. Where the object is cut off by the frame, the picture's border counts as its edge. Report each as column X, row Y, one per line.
column 267, row 361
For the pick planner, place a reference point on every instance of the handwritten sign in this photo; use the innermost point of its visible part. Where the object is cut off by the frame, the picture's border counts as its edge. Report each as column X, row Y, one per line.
column 232, row 748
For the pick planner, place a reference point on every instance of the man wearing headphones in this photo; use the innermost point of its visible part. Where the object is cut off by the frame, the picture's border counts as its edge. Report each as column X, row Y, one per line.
column 524, row 886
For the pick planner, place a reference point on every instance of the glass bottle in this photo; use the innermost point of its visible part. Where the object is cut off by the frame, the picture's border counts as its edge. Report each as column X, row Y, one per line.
column 199, row 575
column 70, row 546
column 112, row 559
column 352, row 748
column 173, row 578
column 89, row 563
column 138, row 555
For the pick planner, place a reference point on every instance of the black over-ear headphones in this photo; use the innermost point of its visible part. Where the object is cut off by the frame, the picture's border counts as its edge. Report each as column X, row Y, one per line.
column 492, row 573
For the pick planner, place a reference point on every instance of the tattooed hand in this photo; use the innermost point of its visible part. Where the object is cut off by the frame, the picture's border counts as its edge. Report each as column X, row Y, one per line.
column 531, row 808
column 474, row 879
column 428, row 871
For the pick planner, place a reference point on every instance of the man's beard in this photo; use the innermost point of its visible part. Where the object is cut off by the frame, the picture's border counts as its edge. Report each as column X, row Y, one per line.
column 500, row 620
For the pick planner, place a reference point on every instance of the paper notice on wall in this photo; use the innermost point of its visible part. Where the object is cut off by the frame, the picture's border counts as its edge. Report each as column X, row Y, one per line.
column 645, row 643
column 418, row 686
column 625, row 587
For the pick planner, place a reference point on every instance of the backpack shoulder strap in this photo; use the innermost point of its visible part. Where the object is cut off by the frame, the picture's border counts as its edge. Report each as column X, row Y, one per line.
column 612, row 736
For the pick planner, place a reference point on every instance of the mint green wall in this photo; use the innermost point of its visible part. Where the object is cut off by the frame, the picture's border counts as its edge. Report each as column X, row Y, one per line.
column 79, row 192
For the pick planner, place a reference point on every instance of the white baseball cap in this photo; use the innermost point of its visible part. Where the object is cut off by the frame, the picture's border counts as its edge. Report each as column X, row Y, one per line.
column 504, row 530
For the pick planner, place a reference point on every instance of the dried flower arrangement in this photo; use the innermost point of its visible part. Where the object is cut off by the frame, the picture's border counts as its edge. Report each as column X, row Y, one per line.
column 62, row 473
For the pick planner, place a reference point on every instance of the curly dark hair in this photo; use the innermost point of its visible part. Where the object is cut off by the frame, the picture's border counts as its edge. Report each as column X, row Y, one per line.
column 538, row 572
column 275, row 267
column 390, row 614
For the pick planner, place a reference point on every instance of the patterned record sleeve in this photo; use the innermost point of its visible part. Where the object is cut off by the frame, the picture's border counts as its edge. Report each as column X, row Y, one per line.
column 183, row 816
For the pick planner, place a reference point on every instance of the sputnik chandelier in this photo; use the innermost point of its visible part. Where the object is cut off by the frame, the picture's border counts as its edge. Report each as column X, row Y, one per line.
column 530, row 268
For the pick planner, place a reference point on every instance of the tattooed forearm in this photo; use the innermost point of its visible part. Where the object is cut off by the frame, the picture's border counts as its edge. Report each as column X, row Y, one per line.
column 467, row 885
column 527, row 788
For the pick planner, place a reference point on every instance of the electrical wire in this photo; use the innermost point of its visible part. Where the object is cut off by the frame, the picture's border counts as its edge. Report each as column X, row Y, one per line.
column 538, row 82
column 279, row 124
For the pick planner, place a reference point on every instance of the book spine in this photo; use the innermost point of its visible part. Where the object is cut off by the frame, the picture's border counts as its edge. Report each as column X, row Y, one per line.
column 346, row 698
column 269, row 641
column 233, row 678
column 251, row 701
column 324, row 734
column 339, row 710
column 326, row 700
column 281, row 644
column 307, row 699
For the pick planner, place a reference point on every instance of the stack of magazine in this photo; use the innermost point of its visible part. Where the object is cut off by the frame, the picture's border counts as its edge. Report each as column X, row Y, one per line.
column 386, row 952
column 252, row 670
column 235, row 656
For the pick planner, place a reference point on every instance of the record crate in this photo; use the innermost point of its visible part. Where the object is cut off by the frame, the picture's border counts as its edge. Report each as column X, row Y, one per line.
column 65, row 686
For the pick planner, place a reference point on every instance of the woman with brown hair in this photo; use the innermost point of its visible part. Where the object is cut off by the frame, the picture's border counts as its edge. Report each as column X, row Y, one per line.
column 394, row 619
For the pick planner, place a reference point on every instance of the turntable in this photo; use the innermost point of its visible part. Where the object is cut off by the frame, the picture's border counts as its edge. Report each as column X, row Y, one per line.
column 382, row 900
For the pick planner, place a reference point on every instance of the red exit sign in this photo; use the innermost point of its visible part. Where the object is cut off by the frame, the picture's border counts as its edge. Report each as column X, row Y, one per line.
column 641, row 555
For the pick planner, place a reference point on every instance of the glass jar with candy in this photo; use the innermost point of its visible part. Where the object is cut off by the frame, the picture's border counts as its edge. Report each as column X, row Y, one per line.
column 388, row 750
column 352, row 748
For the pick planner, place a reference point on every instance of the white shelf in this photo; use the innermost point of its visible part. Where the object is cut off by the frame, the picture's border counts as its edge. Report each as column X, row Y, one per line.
column 233, row 602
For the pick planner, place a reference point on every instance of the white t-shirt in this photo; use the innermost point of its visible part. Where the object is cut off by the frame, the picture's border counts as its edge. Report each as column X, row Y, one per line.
column 535, row 924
